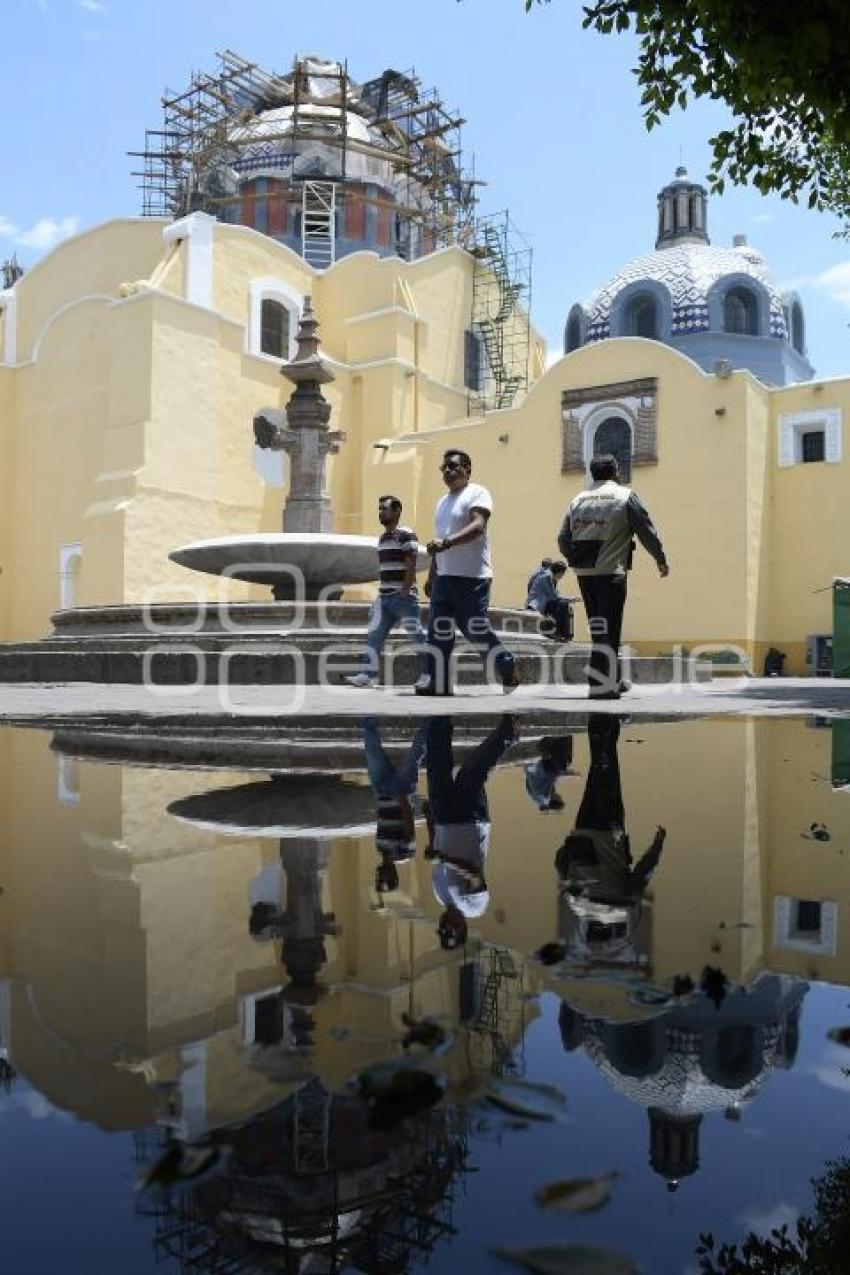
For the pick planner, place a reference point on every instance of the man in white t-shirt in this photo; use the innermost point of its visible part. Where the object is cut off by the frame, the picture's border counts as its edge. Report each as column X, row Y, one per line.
column 460, row 578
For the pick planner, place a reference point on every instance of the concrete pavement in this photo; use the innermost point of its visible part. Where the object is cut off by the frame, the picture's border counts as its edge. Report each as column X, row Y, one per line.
column 757, row 697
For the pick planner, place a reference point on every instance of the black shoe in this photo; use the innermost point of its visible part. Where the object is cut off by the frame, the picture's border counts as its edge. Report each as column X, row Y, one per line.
column 624, row 687
column 429, row 690
column 591, row 694
column 511, row 682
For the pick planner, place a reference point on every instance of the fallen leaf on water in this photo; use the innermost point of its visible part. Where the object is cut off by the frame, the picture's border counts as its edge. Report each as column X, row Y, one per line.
column 841, row 1035
column 569, row 1259
column 577, row 1195
column 178, row 1164
column 523, row 1098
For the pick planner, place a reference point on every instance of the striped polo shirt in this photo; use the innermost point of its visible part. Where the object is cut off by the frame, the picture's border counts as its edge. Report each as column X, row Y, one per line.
column 393, row 548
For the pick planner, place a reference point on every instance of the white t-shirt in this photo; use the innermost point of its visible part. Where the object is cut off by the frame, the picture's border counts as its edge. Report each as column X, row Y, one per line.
column 453, row 512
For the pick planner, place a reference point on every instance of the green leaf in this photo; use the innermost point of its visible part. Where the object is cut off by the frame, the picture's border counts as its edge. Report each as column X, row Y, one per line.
column 577, row 1195
column 569, row 1259
column 522, row 1098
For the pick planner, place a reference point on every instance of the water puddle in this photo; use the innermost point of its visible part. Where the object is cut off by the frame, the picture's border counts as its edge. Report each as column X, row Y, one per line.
column 448, row 995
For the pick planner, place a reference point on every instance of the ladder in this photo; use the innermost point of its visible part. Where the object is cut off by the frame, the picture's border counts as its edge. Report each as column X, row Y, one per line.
column 318, row 223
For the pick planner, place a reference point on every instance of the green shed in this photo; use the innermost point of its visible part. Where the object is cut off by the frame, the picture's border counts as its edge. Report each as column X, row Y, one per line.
column 841, row 626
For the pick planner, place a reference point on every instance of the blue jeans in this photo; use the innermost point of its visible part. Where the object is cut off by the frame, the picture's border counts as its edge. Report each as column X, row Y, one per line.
column 387, row 778
column 461, row 797
column 388, row 610
column 461, row 601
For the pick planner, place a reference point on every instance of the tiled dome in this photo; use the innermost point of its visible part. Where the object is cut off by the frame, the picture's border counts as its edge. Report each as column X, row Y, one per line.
column 719, row 306
column 688, row 271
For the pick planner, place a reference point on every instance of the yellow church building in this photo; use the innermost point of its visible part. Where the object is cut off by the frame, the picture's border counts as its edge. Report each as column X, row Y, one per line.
column 134, row 356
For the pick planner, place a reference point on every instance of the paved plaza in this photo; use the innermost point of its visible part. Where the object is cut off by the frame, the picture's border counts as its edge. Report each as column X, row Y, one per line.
column 757, row 697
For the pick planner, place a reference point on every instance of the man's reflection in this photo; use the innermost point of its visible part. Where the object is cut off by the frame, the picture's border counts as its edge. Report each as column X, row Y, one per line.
column 394, row 786
column 602, row 888
column 541, row 776
column 459, row 822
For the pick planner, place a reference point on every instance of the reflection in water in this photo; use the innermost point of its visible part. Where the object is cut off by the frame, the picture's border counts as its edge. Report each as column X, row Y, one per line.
column 459, row 823
column 691, row 1059
column 603, row 890
column 221, row 968
column 311, row 1186
column 394, row 786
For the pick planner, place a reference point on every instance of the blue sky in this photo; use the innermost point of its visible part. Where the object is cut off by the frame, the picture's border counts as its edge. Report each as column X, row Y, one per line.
column 552, row 116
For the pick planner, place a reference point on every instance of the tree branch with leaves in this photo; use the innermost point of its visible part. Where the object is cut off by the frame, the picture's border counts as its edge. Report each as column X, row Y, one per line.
column 782, row 69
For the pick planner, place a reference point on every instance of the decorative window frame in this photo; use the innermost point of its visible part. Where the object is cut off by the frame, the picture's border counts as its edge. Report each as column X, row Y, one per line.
column 744, row 282
column 271, row 288
column 791, row 427
column 584, row 409
column 785, row 937
column 653, row 290
column 591, row 423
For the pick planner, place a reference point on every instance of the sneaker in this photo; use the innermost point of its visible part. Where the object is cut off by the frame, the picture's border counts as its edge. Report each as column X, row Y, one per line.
column 511, row 682
column 624, row 687
column 363, row 681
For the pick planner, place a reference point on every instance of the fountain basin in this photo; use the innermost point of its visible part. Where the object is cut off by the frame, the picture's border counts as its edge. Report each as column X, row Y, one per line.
column 293, row 564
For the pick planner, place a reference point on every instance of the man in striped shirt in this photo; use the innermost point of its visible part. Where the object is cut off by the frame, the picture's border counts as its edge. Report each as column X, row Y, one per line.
column 398, row 600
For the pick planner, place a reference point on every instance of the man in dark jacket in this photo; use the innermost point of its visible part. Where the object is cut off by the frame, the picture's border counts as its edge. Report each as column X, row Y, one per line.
column 597, row 541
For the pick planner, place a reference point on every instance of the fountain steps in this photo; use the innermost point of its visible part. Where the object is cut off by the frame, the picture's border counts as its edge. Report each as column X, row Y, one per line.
column 275, row 644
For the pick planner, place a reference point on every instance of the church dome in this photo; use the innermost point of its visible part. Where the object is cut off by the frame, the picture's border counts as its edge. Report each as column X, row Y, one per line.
column 688, row 272
column 719, row 305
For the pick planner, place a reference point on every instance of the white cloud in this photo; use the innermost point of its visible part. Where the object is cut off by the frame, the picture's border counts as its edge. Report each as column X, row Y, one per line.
column 8, row 229
column 92, row 6
column 761, row 219
column 795, row 283
column 553, row 354
column 836, row 282
column 771, row 1219
column 46, row 233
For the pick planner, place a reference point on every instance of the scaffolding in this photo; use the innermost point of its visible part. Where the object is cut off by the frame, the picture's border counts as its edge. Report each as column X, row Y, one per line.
column 319, row 133
column 501, row 313
column 11, row 271
column 272, row 1209
column 498, row 1027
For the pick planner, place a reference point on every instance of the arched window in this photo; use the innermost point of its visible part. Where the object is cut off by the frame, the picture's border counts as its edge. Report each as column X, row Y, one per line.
column 274, row 329
column 740, row 312
column 798, row 328
column 572, row 337
column 642, row 318
column 274, row 309
column 614, row 437
column 474, row 361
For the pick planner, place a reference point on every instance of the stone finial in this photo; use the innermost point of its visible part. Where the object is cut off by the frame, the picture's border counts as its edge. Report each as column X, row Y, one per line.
column 305, row 436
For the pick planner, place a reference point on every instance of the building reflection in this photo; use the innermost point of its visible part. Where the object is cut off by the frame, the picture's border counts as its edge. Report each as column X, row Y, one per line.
column 692, row 1059
column 310, row 1186
column 211, row 955
column 680, row 1050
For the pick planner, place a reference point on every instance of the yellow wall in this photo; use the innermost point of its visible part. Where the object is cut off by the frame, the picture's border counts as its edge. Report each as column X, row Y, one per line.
column 126, row 425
